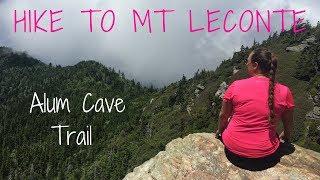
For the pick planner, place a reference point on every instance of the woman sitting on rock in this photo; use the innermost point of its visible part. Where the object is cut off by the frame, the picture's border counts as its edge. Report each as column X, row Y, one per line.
column 256, row 103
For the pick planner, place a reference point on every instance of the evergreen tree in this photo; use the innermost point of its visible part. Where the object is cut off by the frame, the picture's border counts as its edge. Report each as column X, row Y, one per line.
column 181, row 90
column 255, row 43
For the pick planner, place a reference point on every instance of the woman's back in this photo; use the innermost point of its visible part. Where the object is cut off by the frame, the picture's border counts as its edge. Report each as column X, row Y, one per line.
column 249, row 133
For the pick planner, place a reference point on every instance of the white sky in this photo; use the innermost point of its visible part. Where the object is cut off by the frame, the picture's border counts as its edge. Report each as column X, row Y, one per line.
column 158, row 58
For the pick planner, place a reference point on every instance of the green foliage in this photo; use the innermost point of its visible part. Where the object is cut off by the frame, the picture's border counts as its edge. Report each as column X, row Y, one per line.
column 313, row 135
column 306, row 68
column 30, row 149
column 181, row 90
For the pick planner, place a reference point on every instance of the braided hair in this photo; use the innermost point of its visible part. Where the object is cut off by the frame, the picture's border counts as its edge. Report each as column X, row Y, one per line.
column 268, row 65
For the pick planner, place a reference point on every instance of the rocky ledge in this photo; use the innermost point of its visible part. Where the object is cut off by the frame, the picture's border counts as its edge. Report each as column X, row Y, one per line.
column 202, row 156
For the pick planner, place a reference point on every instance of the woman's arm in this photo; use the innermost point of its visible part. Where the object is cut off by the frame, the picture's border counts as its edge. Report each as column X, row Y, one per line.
column 287, row 120
column 226, row 110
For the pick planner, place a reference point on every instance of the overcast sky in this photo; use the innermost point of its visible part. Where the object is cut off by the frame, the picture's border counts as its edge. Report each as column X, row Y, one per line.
column 158, row 58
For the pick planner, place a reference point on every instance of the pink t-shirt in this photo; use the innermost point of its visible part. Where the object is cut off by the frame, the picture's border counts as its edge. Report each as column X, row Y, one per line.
column 248, row 133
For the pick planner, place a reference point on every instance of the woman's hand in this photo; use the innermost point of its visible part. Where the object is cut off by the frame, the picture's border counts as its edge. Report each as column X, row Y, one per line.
column 218, row 134
column 283, row 137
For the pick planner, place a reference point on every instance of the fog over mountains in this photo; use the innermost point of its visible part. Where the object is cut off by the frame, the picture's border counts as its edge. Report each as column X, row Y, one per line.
column 158, row 58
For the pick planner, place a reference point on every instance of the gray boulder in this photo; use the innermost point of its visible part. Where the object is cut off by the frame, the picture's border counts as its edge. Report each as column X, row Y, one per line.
column 222, row 89
column 297, row 48
column 314, row 114
column 235, row 69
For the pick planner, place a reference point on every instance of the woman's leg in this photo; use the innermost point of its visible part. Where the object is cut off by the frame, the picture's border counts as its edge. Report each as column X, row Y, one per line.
column 253, row 164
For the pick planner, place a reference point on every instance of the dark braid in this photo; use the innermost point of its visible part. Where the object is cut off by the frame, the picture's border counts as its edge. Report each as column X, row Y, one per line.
column 272, row 76
column 268, row 65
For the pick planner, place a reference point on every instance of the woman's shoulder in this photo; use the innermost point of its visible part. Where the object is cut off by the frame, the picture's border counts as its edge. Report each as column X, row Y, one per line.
column 242, row 81
column 282, row 86
column 234, row 83
column 282, row 89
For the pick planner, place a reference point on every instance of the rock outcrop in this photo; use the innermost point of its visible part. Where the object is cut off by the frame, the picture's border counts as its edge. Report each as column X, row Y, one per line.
column 297, row 48
column 201, row 156
column 222, row 89
column 315, row 112
column 235, row 70
column 201, row 87
column 304, row 44
column 198, row 90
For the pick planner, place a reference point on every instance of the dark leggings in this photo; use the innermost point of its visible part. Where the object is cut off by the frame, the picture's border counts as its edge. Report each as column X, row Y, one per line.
column 253, row 164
